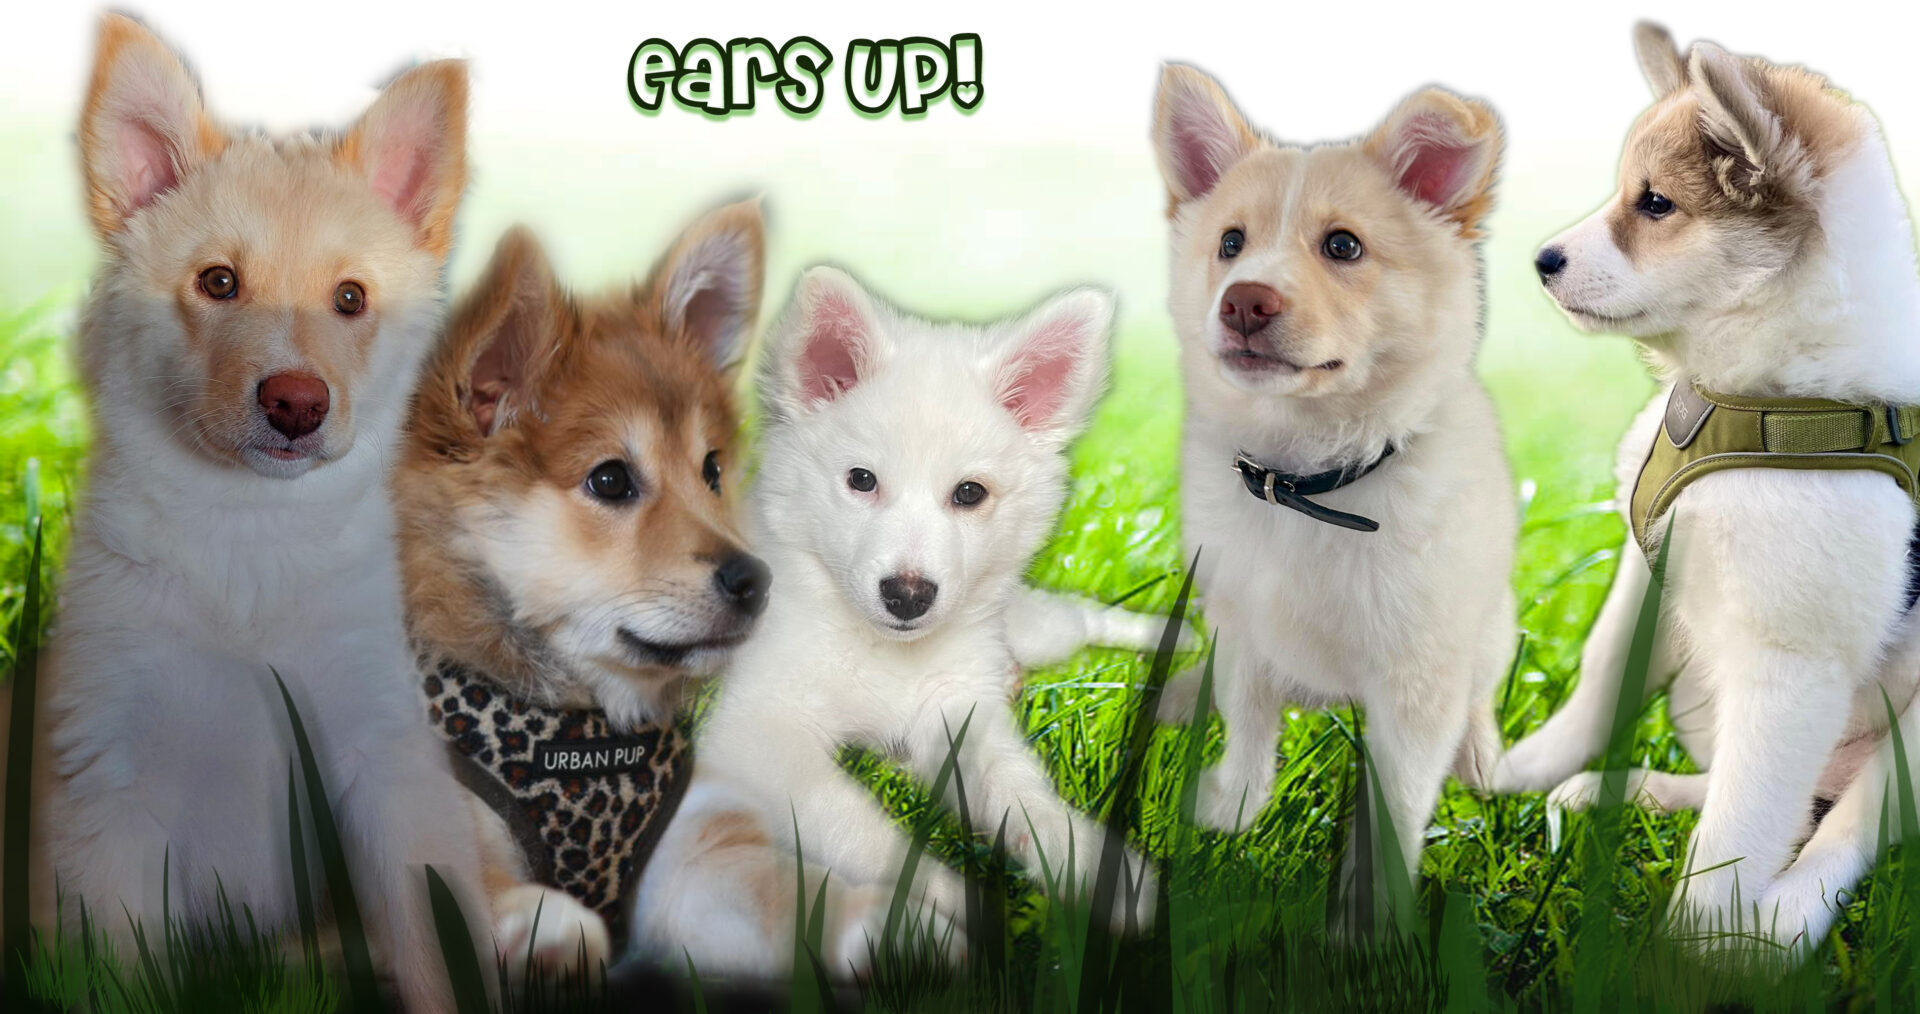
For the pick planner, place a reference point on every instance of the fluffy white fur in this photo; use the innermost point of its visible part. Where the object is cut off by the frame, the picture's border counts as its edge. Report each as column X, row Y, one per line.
column 1782, row 623
column 1415, row 621
column 848, row 383
column 164, row 740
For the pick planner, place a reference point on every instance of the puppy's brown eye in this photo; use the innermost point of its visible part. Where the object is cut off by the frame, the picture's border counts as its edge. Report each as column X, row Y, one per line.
column 969, row 494
column 1654, row 204
column 349, row 298
column 861, row 481
column 1341, row 245
column 710, row 470
column 220, row 282
column 1231, row 243
column 610, row 480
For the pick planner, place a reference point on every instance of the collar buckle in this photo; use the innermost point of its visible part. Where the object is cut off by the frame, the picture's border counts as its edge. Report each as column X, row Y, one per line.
column 1893, row 428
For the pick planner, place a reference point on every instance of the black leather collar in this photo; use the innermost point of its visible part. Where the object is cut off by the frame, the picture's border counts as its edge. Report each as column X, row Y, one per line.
column 1290, row 490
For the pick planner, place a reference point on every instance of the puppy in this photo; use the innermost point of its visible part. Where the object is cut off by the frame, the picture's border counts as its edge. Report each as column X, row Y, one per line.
column 909, row 471
column 571, row 561
column 1343, row 479
column 1757, row 246
column 248, row 349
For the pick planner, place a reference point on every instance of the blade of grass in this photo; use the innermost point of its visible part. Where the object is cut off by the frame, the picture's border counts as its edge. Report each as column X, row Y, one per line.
column 1096, row 973
column 302, row 879
column 903, row 887
column 1594, row 988
column 15, row 926
column 354, row 952
column 456, row 947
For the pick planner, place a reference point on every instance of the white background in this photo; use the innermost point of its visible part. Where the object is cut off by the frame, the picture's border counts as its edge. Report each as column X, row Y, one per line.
column 1049, row 182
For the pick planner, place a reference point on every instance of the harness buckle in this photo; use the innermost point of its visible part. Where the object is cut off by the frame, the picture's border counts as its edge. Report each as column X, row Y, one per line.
column 1893, row 427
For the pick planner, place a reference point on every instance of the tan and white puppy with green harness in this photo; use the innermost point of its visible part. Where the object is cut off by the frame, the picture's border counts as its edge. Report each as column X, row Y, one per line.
column 1759, row 250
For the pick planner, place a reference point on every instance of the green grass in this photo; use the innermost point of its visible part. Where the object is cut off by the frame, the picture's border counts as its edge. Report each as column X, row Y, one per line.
column 1500, row 908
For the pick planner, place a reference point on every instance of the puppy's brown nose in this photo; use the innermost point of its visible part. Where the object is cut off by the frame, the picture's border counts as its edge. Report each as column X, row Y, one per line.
column 296, row 403
column 1248, row 306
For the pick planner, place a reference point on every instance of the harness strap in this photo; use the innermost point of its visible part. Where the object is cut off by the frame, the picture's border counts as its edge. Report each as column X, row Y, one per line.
column 1704, row 432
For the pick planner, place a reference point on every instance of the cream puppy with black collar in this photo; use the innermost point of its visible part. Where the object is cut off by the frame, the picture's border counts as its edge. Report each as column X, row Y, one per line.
column 1327, row 301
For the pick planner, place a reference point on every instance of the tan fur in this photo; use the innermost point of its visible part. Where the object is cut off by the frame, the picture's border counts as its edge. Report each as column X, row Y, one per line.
column 106, row 205
column 611, row 378
column 443, row 177
column 528, row 391
column 292, row 217
column 1681, row 148
column 1327, row 187
column 1470, row 121
column 1192, row 85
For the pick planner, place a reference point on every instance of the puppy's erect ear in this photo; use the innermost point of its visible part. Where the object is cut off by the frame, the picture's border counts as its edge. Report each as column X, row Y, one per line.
column 708, row 286
column 1441, row 150
column 143, row 129
column 1659, row 59
column 1056, row 364
column 506, row 334
column 1197, row 134
column 412, row 147
column 827, row 343
column 1760, row 151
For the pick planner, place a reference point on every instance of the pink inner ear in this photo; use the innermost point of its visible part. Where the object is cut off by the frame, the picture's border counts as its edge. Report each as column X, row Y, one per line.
column 1200, row 143
column 1435, row 166
column 828, row 367
column 1036, row 378
column 400, row 162
column 146, row 163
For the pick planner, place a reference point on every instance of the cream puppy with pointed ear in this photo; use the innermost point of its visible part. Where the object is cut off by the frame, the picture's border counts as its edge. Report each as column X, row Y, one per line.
column 1343, row 478
column 909, row 471
column 248, row 349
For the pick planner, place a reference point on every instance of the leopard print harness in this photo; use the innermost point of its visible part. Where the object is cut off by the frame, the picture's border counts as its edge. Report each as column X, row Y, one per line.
column 585, row 803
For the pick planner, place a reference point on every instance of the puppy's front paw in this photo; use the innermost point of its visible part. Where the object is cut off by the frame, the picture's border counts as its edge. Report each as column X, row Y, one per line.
column 1580, row 793
column 1229, row 804
column 541, row 928
column 929, row 923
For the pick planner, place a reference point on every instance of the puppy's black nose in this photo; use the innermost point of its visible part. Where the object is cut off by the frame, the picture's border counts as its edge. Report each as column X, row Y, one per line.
column 743, row 581
column 1549, row 263
column 908, row 596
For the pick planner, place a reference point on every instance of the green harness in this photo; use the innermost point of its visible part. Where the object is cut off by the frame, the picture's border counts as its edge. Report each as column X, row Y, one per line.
column 1705, row 432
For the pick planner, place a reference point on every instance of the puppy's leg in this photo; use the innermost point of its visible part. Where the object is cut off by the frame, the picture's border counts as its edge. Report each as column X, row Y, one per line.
column 1655, row 790
column 1412, row 739
column 1577, row 732
column 1801, row 905
column 402, row 810
column 1233, row 792
column 720, row 891
column 1180, row 698
column 534, row 926
column 794, row 780
column 1782, row 713
column 1004, row 781
column 1044, row 627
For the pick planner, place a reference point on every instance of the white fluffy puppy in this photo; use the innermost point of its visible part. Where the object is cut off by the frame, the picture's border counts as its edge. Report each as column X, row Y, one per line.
column 909, row 472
